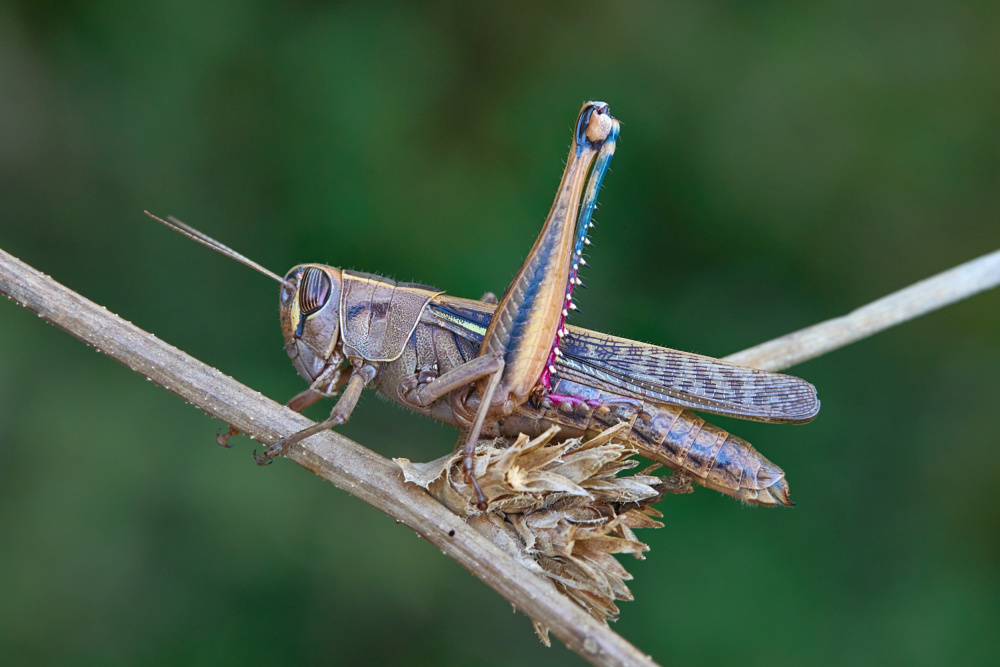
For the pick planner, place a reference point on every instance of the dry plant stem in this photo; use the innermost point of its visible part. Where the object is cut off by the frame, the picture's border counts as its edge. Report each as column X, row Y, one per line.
column 346, row 464
column 378, row 481
column 918, row 299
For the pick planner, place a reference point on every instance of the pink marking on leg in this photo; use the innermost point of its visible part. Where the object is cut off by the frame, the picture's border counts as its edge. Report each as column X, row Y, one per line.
column 559, row 399
column 546, row 379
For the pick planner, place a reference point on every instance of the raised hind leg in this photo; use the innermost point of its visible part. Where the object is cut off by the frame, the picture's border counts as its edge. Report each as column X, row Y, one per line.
column 525, row 329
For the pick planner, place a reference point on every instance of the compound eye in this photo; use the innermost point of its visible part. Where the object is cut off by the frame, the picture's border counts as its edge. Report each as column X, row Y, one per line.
column 314, row 290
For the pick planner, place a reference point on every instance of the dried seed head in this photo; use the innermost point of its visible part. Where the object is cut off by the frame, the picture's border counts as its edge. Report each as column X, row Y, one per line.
column 559, row 506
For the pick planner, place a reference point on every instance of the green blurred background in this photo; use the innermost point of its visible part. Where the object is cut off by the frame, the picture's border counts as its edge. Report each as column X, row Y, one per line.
column 778, row 165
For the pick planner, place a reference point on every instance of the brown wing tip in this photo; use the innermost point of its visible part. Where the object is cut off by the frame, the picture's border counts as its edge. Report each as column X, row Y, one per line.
column 810, row 411
column 804, row 408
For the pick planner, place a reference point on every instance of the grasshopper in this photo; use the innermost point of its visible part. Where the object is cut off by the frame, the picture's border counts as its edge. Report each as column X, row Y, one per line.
column 500, row 368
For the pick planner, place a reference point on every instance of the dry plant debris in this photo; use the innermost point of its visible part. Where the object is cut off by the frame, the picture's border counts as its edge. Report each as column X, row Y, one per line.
column 560, row 506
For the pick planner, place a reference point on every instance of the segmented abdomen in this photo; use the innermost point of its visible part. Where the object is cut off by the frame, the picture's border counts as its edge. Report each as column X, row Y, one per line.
column 711, row 456
column 675, row 437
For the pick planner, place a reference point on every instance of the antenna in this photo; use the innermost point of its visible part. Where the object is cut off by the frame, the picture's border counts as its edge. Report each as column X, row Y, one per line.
column 208, row 241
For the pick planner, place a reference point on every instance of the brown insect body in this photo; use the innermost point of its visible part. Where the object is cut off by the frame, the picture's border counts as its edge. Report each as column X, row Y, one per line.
column 501, row 369
column 414, row 344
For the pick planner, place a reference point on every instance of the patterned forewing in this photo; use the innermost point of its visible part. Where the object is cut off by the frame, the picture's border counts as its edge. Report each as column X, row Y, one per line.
column 687, row 379
column 658, row 374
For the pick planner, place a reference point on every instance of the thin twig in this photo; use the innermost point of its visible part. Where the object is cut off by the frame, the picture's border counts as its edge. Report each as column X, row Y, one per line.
column 378, row 481
column 918, row 299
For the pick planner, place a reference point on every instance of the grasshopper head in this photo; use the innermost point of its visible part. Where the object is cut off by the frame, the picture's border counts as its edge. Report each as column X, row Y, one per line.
column 310, row 318
column 310, row 306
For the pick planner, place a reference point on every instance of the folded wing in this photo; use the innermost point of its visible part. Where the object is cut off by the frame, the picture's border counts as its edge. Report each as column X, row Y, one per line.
column 686, row 379
column 658, row 374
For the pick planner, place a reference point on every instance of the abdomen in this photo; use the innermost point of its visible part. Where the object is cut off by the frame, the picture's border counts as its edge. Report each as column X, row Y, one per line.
column 667, row 434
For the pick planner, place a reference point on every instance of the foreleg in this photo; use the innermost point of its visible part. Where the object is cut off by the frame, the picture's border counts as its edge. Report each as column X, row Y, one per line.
column 298, row 402
column 362, row 373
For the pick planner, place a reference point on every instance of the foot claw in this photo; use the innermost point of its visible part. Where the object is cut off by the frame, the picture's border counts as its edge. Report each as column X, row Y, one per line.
column 678, row 483
column 222, row 439
column 269, row 455
column 481, row 503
